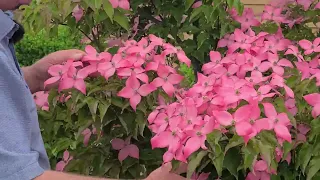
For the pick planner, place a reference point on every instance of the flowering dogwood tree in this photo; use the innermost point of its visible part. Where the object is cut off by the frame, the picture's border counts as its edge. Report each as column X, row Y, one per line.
column 252, row 114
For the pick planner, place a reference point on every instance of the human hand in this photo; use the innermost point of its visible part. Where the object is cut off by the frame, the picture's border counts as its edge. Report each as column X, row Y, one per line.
column 37, row 74
column 164, row 173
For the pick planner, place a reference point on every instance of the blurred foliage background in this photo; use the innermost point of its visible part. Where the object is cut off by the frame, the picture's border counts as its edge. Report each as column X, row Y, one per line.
column 35, row 46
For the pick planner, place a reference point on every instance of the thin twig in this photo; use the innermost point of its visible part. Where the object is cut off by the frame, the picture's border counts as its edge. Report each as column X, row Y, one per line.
column 79, row 30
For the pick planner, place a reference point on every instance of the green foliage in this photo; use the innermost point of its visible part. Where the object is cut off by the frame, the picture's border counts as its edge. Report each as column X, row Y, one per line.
column 34, row 47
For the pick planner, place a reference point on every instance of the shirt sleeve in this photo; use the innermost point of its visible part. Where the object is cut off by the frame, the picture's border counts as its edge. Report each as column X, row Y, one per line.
column 19, row 127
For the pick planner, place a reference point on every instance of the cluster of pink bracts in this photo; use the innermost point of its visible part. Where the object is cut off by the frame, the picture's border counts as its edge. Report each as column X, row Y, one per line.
column 239, row 75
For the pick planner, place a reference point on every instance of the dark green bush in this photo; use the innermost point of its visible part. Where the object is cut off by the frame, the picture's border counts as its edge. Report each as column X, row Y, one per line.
column 34, row 47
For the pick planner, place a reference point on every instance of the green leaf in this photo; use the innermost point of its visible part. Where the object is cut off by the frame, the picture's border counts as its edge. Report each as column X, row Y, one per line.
column 121, row 19
column 268, row 138
column 90, row 3
column 250, row 152
column 202, row 38
column 195, row 13
column 188, row 4
column 93, row 106
column 234, row 141
column 214, row 137
column 124, row 124
column 231, row 161
column 286, row 149
column 267, row 152
column 304, row 156
column 108, row 9
column 141, row 122
column 314, row 167
column 209, row 12
column 103, row 108
column 117, row 102
column 230, row 3
column 239, row 6
column 194, row 163
column 97, row 3
column 217, row 158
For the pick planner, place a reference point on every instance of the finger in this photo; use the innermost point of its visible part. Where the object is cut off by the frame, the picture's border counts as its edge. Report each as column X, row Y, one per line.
column 62, row 56
column 181, row 169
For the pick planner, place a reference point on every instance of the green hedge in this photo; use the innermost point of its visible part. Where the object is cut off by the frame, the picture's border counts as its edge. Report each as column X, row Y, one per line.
column 34, row 47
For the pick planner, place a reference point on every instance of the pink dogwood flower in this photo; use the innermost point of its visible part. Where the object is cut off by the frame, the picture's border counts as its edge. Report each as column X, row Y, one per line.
column 278, row 122
column 204, row 84
column 305, row 3
column 166, row 79
column 87, row 134
column 125, row 148
column 314, row 101
column 134, row 90
column 226, row 41
column 64, row 162
column 77, row 13
column 247, row 19
column 75, row 78
column 291, row 106
column 107, row 69
column 93, row 55
column 170, row 138
column 277, row 65
column 303, row 129
column 242, row 41
column 198, row 136
column 264, row 92
column 59, row 71
column 139, row 72
column 197, row 4
column 294, row 51
column 240, row 118
column 215, row 58
column 317, row 6
column 41, row 99
column 182, row 57
column 260, row 171
column 310, row 47
column 273, row 14
column 279, row 156
column 124, row 4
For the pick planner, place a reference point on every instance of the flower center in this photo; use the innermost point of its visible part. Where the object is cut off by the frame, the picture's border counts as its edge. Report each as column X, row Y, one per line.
column 166, row 119
column 199, row 133
column 189, row 122
column 252, row 121
column 174, row 133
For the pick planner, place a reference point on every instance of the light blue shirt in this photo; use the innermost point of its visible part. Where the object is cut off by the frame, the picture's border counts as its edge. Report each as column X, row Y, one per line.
column 22, row 152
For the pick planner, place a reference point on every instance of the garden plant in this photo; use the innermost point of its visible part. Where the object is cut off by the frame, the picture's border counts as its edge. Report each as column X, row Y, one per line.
column 125, row 108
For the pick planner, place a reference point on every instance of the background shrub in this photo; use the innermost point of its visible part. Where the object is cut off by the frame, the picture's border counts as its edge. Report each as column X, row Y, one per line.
column 35, row 46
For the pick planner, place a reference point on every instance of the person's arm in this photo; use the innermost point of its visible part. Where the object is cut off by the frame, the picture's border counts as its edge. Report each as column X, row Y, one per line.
column 162, row 173
column 53, row 175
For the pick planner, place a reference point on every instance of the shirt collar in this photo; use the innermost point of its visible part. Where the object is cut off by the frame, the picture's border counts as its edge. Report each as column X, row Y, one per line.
column 7, row 25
